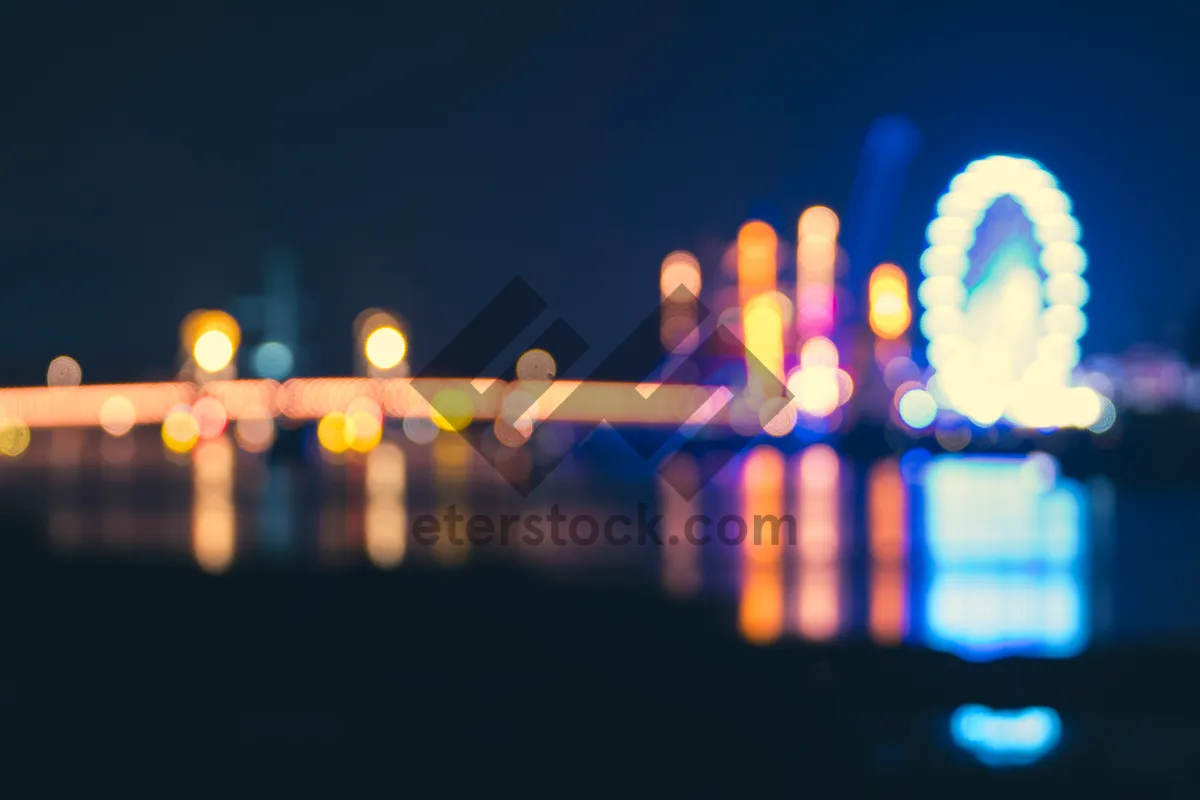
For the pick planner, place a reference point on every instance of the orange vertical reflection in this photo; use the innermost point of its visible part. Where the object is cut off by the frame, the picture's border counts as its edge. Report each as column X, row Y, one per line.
column 214, row 528
column 681, row 557
column 887, row 511
column 818, row 478
column 386, row 514
column 760, row 615
column 818, row 599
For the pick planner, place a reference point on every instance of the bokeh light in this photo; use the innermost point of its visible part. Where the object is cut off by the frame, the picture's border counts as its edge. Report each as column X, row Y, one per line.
column 452, row 410
column 536, row 365
column 117, row 415
column 213, row 351
column 385, row 347
column 335, row 432
column 14, row 436
column 64, row 371
column 1006, row 347
column 889, row 311
column 273, row 360
column 255, row 429
column 210, row 417
column 680, row 270
column 364, row 417
column 420, row 430
column 179, row 432
column 917, row 409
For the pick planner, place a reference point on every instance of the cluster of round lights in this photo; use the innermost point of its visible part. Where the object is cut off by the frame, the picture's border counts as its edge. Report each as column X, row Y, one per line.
column 358, row 428
column 184, row 426
column 943, row 293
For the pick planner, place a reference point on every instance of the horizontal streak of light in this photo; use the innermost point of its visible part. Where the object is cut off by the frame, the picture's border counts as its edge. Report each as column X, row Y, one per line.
column 313, row 398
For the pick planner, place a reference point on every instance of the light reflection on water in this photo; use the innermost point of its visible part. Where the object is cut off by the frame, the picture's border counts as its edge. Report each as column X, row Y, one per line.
column 983, row 557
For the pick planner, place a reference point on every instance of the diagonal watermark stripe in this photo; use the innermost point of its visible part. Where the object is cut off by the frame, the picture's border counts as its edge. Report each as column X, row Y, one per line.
column 506, row 317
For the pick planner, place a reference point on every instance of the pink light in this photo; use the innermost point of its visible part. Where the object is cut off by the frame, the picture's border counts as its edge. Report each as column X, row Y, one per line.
column 816, row 310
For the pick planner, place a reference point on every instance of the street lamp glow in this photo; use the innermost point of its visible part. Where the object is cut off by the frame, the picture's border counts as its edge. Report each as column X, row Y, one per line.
column 385, row 348
column 213, row 350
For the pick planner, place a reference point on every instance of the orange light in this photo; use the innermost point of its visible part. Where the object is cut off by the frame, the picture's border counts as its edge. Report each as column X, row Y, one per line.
column 887, row 509
column 761, row 609
column 890, row 313
column 757, row 260
column 680, row 270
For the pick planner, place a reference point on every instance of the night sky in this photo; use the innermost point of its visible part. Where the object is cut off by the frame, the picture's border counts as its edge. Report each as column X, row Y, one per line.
column 419, row 159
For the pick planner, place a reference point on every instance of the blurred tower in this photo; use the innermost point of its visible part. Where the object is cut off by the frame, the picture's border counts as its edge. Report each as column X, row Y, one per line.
column 887, row 154
column 278, row 354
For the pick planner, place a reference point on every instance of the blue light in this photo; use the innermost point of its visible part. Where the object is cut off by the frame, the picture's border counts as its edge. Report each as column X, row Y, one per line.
column 988, row 512
column 273, row 360
column 1006, row 738
column 1006, row 559
column 985, row 615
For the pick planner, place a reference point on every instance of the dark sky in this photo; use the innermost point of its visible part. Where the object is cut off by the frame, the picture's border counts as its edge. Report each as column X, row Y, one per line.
column 419, row 159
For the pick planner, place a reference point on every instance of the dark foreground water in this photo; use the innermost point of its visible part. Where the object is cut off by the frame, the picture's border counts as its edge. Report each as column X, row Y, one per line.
column 910, row 616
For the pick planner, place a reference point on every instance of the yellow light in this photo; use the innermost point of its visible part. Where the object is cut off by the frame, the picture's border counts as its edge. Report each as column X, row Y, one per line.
column 890, row 314
column 179, row 431
column 335, row 432
column 385, row 347
column 364, row 420
column 200, row 322
column 14, row 437
column 763, row 330
column 213, row 350
column 366, row 429
column 452, row 410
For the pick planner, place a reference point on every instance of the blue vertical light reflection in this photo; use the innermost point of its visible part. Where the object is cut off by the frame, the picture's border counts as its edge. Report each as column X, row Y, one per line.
column 1006, row 738
column 1005, row 559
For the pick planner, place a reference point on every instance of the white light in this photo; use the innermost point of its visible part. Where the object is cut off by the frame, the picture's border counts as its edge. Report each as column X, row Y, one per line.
column 1064, row 257
column 1051, row 228
column 917, row 408
column 989, row 381
column 942, row 291
column 943, row 260
column 951, row 232
column 1066, row 289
